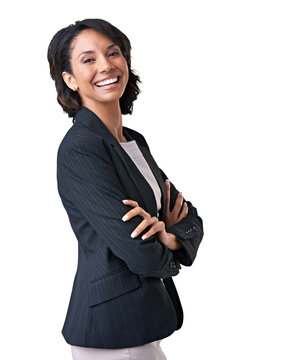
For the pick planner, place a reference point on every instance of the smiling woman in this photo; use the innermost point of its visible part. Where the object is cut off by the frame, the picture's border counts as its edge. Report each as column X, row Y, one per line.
column 134, row 230
column 80, row 54
column 88, row 68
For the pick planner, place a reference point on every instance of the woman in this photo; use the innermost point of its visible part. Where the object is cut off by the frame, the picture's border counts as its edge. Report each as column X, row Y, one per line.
column 134, row 228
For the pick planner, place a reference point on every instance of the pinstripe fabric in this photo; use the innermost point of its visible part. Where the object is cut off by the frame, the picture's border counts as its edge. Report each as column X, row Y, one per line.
column 118, row 299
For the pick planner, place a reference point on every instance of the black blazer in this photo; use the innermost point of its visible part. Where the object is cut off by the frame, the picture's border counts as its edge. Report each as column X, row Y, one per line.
column 123, row 294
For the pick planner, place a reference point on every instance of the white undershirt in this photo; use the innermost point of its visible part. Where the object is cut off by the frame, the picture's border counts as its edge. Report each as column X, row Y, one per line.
column 137, row 157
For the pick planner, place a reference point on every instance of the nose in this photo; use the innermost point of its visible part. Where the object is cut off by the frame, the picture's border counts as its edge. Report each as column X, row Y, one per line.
column 104, row 64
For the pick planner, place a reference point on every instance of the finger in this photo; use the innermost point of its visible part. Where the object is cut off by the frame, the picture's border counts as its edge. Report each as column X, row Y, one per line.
column 143, row 225
column 158, row 226
column 134, row 212
column 178, row 204
column 130, row 202
column 184, row 211
column 167, row 190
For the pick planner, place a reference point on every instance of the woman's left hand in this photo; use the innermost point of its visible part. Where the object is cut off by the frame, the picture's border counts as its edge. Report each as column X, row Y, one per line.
column 157, row 227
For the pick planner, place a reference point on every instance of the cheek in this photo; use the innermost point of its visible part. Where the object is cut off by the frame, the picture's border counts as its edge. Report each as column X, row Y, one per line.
column 125, row 72
column 86, row 75
column 123, row 65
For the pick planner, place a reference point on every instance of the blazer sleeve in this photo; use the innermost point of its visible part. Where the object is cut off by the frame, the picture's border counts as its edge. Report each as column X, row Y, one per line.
column 87, row 177
column 189, row 230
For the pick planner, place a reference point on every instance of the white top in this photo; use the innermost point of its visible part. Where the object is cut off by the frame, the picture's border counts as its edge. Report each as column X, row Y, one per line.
column 137, row 157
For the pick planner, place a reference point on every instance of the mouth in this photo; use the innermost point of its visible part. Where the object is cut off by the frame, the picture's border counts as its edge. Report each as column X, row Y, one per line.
column 109, row 83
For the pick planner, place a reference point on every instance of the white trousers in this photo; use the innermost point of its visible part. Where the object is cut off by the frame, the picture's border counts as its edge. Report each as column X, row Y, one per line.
column 150, row 351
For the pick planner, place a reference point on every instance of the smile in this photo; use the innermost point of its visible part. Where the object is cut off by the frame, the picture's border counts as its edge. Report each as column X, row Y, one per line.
column 106, row 82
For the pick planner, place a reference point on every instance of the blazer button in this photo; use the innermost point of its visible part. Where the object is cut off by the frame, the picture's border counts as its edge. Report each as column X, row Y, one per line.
column 172, row 264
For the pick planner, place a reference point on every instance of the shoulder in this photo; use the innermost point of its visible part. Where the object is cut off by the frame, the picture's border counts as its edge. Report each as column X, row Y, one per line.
column 79, row 139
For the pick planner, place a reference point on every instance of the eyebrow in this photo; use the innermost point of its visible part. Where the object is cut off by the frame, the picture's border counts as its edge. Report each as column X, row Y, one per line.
column 92, row 51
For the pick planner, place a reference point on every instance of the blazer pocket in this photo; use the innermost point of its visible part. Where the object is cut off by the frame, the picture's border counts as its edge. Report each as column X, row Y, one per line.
column 112, row 286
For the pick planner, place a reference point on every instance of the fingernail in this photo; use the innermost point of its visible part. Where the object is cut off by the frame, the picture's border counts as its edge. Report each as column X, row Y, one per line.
column 167, row 181
column 133, row 234
column 125, row 217
column 124, row 200
column 144, row 237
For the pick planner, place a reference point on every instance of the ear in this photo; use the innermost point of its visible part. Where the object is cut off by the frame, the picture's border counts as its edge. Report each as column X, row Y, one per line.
column 70, row 80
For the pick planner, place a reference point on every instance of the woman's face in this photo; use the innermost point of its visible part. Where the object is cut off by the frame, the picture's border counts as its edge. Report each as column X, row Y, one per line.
column 95, row 57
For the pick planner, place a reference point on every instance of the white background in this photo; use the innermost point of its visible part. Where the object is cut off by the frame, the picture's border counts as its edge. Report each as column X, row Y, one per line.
column 216, row 84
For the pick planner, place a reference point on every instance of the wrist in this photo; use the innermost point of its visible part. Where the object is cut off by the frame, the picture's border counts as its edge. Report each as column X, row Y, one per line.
column 174, row 242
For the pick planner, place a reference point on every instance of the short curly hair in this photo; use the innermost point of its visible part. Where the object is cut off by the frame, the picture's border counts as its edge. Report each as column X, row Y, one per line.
column 59, row 56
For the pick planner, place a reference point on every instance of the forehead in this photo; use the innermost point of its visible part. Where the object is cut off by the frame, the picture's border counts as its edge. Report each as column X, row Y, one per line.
column 90, row 39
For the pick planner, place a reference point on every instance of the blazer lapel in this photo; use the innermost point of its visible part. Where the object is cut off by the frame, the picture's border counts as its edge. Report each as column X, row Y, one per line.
column 94, row 123
column 157, row 173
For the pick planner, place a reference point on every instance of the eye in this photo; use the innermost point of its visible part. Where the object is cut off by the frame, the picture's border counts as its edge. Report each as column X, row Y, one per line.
column 87, row 60
column 114, row 52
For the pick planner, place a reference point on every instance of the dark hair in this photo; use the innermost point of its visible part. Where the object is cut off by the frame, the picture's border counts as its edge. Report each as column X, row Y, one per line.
column 59, row 56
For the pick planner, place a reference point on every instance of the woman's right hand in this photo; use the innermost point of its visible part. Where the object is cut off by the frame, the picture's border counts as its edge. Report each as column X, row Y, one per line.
column 173, row 217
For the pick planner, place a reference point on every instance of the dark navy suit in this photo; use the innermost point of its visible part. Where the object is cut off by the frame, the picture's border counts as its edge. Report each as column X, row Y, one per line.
column 118, row 298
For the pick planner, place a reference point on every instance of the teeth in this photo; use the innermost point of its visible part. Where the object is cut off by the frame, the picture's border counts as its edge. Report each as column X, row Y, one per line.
column 106, row 82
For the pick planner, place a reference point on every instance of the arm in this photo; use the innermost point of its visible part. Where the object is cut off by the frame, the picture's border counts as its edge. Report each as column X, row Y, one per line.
column 87, row 177
column 173, row 241
column 189, row 231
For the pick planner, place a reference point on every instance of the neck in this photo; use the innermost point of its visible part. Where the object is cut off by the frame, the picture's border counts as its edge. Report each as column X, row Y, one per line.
column 110, row 115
